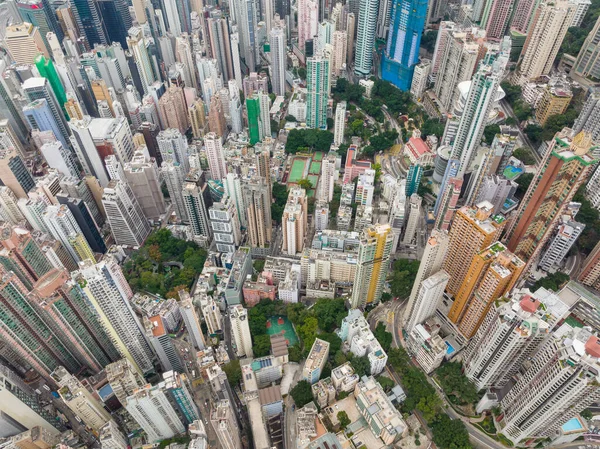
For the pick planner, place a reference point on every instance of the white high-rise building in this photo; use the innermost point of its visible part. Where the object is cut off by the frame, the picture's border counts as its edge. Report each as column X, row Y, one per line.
column 60, row 158
column 81, row 402
column 429, row 295
column 162, row 344
column 592, row 189
column 86, row 151
column 124, row 378
column 318, row 74
column 340, row 49
column 9, row 208
column 151, row 409
column 235, row 107
column 340, row 123
column 589, row 121
column 431, row 262
column 264, row 102
column 420, row 79
column 552, row 20
column 174, row 148
column 138, row 45
column 192, row 196
column 174, row 176
column 511, row 332
column 172, row 16
column 111, row 437
column 62, row 225
column 191, row 320
column 223, row 421
column 240, row 331
column 128, row 224
column 212, row 314
column 329, row 176
column 225, row 225
column 561, row 382
column 581, row 7
column 365, row 37
column 108, row 291
column 233, row 188
column 566, row 234
column 412, row 229
column 295, row 221
column 215, row 156
column 278, row 60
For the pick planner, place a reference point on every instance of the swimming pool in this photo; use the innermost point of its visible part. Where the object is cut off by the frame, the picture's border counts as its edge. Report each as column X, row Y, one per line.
column 450, row 348
column 571, row 425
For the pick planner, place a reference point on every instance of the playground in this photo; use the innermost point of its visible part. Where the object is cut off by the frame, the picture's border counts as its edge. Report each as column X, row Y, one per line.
column 298, row 170
column 280, row 324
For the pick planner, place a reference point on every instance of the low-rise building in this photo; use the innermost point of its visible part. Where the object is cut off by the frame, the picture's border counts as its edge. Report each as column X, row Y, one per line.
column 316, row 361
column 418, row 152
column 320, row 289
column 262, row 288
column 306, row 427
column 271, row 401
column 324, row 392
column 344, row 378
column 358, row 339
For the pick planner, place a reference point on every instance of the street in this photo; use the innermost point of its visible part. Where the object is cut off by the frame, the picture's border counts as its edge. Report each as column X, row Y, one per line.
column 508, row 109
column 5, row 19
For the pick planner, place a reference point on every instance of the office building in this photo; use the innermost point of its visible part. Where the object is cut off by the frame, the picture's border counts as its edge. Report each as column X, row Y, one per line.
column 90, row 21
column 294, row 221
column 373, row 263
column 365, row 37
column 512, row 331
column 109, row 293
column 339, row 123
column 24, row 43
column 316, row 360
column 124, row 379
column 47, row 70
column 143, row 176
column 81, row 402
column 14, row 173
column 538, row 404
column 567, row 163
column 196, row 201
column 151, row 409
column 240, row 331
column 257, row 200
column 401, row 54
column 476, row 225
column 138, row 45
column 548, row 29
column 62, row 225
column 128, row 224
column 492, row 273
column 81, row 213
column 318, row 73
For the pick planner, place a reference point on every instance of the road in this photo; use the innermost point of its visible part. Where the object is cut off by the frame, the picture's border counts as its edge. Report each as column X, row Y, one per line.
column 507, row 108
column 5, row 19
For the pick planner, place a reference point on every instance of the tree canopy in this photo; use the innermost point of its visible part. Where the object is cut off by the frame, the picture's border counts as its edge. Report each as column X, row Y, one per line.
column 313, row 139
column 403, row 277
column 490, row 132
column 302, row 393
column 450, row 433
column 330, row 313
column 233, row 372
column 343, row 418
column 553, row 281
column 455, row 384
column 524, row 155
column 361, row 366
column 383, row 337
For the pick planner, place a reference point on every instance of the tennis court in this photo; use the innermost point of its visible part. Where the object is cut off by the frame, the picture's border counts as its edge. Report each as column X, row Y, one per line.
column 314, row 179
column 315, row 168
column 297, row 171
column 280, row 324
column 318, row 156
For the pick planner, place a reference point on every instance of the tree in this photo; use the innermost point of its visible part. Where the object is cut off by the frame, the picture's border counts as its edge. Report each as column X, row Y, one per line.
column 432, row 127
column 377, row 168
column 330, row 123
column 233, row 372
column 343, row 418
column 302, row 73
column 329, row 313
column 490, row 132
column 339, row 358
column 361, row 366
column 305, row 184
column 553, row 281
column 262, row 345
column 308, row 332
column 450, row 433
column 428, row 41
column 383, row 337
column 403, row 277
column 523, row 182
column 385, row 297
column 302, row 393
column 524, row 155
column 455, row 383
column 587, row 414
column 290, row 118
column 335, row 342
column 295, row 353
column 386, row 383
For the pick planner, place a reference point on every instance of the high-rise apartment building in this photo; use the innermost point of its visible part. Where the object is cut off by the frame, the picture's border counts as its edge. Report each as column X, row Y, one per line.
column 254, row 119
column 564, row 238
column 499, row 16
column 215, row 155
column 87, row 154
column 295, row 221
column 14, row 173
column 173, row 110
column 549, row 27
column 402, row 50
column 365, row 37
column 567, row 163
column 413, row 222
column 431, row 262
column 492, row 273
column 138, row 45
column 9, row 209
column 308, row 20
column 196, row 201
column 41, row 89
column 339, row 123
column 158, row 336
column 191, row 320
column 85, row 220
column 225, row 425
column 318, row 74
column 587, row 63
column 476, row 225
column 81, row 402
column 225, row 225
column 240, row 331
column 420, row 78
column 173, row 147
column 329, row 175
column 143, row 176
column 151, row 409
column 111, row 436
column 373, row 262
column 428, row 296
column 589, row 117
column 340, row 50
column 257, row 202
column 511, row 332
column 109, row 293
column 197, row 118
column 561, row 382
column 62, row 225
column 124, row 379
column 24, row 43
column 278, row 60
column 128, row 224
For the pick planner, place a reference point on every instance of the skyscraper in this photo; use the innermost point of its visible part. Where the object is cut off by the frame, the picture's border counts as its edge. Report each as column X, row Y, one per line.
column 318, row 74
column 225, row 225
column 476, row 225
column 254, row 119
column 350, row 46
column 191, row 320
column 24, row 42
column 402, row 50
column 492, row 273
column 340, row 123
column 9, row 209
column 173, row 147
column 240, row 331
column 561, row 382
column 257, row 200
column 589, row 117
column 215, row 156
column 46, row 69
column 428, row 297
column 109, row 293
column 220, row 46
column 549, row 27
column 128, row 224
column 340, row 50
column 566, row 165
column 142, row 175
column 511, row 332
column 173, row 109
column 14, row 173
column 86, row 151
column 89, row 21
column 40, row 118
column 588, row 59
column 174, row 177
column 278, row 60
column 294, row 221
column 157, row 335
column 194, row 194
column 308, row 20
column 365, row 37
column 500, row 14
column 124, row 378
column 373, row 262
column 64, row 228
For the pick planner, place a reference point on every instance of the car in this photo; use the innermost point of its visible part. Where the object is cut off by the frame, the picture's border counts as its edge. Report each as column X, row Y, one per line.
column 293, row 407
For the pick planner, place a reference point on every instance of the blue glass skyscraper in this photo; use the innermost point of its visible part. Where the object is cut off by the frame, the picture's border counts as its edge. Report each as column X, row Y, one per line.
column 402, row 51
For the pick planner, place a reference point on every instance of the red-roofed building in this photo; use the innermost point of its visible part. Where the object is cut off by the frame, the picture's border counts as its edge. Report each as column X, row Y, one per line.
column 353, row 167
column 418, row 152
